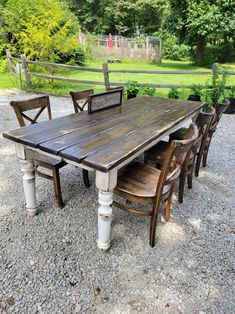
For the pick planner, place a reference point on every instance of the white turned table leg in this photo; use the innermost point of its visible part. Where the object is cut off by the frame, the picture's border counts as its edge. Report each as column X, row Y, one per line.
column 105, row 182
column 27, row 168
column 104, row 219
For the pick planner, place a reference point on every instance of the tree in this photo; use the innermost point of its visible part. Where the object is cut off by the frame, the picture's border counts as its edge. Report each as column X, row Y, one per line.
column 41, row 29
column 202, row 22
column 122, row 17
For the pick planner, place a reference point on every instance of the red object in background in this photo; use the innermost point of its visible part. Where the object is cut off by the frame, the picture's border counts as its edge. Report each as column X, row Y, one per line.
column 110, row 41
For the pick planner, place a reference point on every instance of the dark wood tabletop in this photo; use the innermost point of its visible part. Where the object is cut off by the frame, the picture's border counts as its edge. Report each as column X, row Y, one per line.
column 104, row 140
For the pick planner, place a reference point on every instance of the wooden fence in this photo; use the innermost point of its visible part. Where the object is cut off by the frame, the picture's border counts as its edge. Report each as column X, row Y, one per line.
column 21, row 66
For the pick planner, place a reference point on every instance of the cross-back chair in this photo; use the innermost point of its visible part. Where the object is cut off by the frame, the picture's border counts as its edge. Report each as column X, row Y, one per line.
column 143, row 184
column 80, row 99
column 106, row 100
column 40, row 104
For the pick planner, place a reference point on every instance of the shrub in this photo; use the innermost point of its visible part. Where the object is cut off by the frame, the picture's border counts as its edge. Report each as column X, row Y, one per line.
column 74, row 57
column 175, row 51
column 148, row 89
column 132, row 89
column 173, row 93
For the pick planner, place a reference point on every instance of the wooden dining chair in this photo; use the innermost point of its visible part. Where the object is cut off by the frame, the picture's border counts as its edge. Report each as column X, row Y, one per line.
column 80, row 99
column 40, row 104
column 157, row 153
column 143, row 184
column 106, row 100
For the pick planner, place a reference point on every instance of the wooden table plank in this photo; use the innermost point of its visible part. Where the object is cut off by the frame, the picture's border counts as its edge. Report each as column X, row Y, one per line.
column 106, row 155
column 63, row 142
column 102, row 140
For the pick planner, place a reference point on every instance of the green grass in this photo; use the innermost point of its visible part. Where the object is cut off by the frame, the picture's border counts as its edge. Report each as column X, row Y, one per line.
column 61, row 87
column 8, row 81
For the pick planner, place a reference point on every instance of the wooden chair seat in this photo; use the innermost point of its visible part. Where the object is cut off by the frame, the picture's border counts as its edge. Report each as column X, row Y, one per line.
column 139, row 180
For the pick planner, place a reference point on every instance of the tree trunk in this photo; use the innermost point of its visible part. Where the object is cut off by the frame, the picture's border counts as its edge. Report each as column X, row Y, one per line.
column 201, row 44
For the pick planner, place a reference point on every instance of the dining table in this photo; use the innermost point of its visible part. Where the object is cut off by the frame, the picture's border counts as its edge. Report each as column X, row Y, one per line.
column 104, row 142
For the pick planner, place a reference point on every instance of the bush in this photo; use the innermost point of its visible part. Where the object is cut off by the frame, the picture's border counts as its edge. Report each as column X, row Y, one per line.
column 74, row 57
column 148, row 89
column 174, row 51
column 173, row 93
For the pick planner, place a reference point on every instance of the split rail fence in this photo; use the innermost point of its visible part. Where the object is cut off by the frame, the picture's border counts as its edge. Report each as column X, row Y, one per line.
column 20, row 66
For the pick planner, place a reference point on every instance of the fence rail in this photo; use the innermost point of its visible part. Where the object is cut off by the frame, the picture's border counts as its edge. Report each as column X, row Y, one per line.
column 22, row 67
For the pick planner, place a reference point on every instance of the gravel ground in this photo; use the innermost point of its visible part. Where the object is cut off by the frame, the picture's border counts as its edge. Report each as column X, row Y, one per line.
column 50, row 263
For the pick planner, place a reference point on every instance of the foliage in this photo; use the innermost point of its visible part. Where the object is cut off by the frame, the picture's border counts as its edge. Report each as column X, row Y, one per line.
column 132, row 88
column 123, row 17
column 148, row 89
column 3, row 65
column 173, row 93
column 200, row 22
column 44, row 30
column 75, row 56
column 232, row 92
column 216, row 88
column 197, row 89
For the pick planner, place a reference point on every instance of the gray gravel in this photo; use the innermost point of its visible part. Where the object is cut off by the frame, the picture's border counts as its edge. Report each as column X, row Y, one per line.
column 50, row 263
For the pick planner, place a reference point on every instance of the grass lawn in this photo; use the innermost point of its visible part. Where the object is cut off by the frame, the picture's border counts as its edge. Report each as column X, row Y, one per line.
column 60, row 87
column 8, row 81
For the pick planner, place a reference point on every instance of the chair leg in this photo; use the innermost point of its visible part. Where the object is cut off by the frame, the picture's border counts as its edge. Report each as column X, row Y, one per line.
column 57, row 188
column 190, row 177
column 204, row 159
column 181, row 185
column 198, row 163
column 152, row 235
column 86, row 178
column 168, row 206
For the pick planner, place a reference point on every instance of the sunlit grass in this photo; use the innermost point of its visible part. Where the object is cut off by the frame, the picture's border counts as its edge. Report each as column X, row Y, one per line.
column 61, row 87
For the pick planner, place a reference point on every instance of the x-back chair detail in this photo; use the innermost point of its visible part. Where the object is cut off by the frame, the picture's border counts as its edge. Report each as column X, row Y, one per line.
column 80, row 99
column 40, row 104
column 147, row 185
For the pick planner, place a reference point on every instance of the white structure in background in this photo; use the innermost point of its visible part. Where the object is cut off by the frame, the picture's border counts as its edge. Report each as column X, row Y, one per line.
column 141, row 48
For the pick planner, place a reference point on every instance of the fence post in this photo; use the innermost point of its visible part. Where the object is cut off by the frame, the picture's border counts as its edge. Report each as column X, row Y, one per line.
column 215, row 71
column 160, row 50
column 10, row 65
column 106, row 76
column 25, row 69
column 147, row 47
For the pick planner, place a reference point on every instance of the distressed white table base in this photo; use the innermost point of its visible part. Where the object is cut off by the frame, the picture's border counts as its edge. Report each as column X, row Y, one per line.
column 27, row 167
column 105, row 182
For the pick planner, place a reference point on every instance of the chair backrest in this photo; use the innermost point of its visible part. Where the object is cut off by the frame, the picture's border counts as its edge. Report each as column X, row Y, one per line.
column 21, row 106
column 175, row 157
column 80, row 99
column 203, row 121
column 106, row 100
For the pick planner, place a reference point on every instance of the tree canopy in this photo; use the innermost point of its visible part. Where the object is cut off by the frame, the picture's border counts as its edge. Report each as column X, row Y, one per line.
column 48, row 28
